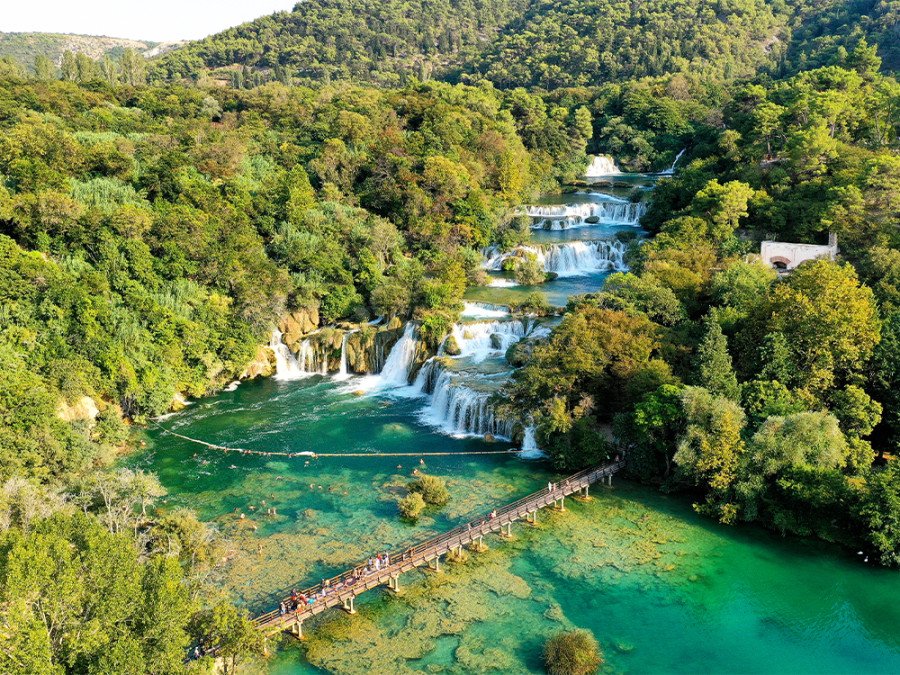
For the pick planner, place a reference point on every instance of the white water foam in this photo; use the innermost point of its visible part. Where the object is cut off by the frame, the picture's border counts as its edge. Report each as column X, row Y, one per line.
column 570, row 259
column 478, row 310
column 568, row 216
column 286, row 365
column 601, row 165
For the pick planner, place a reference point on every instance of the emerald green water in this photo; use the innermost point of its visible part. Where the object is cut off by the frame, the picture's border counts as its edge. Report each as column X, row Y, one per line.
column 664, row 590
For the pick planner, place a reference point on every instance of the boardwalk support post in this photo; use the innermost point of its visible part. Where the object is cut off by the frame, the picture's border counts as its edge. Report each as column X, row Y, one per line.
column 609, row 479
column 394, row 583
column 348, row 605
column 297, row 629
column 508, row 533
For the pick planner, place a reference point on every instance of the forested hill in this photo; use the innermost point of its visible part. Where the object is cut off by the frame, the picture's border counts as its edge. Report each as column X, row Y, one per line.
column 546, row 43
column 24, row 47
column 375, row 40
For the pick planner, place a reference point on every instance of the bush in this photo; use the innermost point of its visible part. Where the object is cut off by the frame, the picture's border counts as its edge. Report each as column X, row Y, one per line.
column 432, row 489
column 411, row 506
column 529, row 271
column 572, row 653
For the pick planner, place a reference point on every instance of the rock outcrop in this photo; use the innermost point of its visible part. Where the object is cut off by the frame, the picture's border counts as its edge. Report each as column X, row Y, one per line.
column 84, row 408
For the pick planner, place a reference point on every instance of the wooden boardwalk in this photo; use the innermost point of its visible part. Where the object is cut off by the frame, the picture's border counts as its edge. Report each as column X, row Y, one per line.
column 340, row 591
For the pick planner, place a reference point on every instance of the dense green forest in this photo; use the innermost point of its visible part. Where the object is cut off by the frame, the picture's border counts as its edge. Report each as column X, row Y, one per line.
column 151, row 235
column 543, row 43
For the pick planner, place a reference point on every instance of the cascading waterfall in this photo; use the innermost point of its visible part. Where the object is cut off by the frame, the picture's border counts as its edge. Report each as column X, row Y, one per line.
column 286, row 365
column 478, row 341
column 601, row 165
column 483, row 310
column 460, row 399
column 457, row 409
column 567, row 260
column 576, row 215
column 400, row 360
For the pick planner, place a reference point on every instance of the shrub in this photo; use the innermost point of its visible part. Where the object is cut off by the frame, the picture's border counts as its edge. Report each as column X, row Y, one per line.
column 572, row 653
column 432, row 489
column 529, row 271
column 411, row 506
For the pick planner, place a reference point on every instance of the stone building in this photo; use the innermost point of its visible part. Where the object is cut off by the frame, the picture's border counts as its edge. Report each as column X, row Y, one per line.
column 784, row 256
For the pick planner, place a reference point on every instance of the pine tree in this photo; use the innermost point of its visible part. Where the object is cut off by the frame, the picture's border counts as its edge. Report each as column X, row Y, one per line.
column 714, row 369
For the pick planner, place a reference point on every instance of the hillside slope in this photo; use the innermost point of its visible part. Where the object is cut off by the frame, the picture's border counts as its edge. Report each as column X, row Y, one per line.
column 546, row 43
column 25, row 46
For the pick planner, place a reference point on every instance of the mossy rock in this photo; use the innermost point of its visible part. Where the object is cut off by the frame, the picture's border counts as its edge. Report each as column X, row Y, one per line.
column 496, row 341
column 519, row 353
column 451, row 347
column 593, row 220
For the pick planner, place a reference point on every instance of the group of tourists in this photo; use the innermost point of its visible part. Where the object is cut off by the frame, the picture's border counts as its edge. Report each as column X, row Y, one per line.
column 299, row 601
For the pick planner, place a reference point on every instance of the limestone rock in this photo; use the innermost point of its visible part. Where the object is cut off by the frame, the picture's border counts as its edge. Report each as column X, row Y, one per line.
column 298, row 323
column 496, row 341
column 262, row 365
column 84, row 408
column 451, row 347
column 519, row 353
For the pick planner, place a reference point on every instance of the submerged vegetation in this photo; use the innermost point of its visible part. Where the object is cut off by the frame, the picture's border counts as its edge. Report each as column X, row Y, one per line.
column 572, row 653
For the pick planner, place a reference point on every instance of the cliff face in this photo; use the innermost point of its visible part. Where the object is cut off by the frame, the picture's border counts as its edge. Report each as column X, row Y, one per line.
column 297, row 324
column 262, row 365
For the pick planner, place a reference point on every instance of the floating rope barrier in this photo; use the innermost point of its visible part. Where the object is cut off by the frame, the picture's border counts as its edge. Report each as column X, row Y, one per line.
column 315, row 455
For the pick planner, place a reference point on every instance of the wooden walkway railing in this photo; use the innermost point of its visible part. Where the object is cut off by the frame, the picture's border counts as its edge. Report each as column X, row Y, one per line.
column 342, row 589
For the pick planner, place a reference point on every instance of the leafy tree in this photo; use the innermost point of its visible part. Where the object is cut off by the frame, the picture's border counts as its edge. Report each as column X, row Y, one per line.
column 235, row 635
column 529, row 271
column 411, row 506
column 652, row 431
column 713, row 362
column 433, row 490
column 711, row 449
column 879, row 513
column 829, row 322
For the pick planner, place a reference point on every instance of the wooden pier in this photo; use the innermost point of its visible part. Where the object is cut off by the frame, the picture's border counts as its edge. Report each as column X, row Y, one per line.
column 341, row 591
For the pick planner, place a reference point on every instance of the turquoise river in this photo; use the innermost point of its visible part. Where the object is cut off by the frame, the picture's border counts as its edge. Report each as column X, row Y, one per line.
column 664, row 590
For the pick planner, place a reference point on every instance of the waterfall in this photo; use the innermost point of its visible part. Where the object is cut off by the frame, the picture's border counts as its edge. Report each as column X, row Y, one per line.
column 530, row 449
column 401, row 358
column 478, row 341
column 575, row 215
column 457, row 409
column 602, row 165
column 286, row 366
column 342, row 371
column 567, row 260
column 671, row 170
column 482, row 310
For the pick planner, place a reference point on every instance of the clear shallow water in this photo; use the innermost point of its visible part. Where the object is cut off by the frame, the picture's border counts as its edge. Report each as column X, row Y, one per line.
column 664, row 590
column 557, row 292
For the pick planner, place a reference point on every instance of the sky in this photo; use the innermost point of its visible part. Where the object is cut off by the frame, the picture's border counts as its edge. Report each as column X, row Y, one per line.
column 154, row 20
